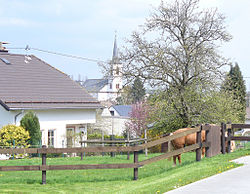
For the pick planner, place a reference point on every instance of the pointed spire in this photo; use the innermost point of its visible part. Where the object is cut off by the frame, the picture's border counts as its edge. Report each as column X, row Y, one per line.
column 115, row 50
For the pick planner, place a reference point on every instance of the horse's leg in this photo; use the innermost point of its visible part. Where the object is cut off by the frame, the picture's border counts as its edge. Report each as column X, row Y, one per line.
column 203, row 152
column 174, row 160
column 179, row 158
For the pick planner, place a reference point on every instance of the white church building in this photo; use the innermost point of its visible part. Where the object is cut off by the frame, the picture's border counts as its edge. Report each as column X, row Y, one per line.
column 108, row 88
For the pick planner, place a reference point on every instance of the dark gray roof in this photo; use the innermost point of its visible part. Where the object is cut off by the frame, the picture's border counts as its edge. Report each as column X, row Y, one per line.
column 123, row 110
column 36, row 84
column 95, row 85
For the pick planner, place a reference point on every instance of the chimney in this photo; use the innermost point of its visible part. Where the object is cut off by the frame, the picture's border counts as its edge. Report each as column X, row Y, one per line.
column 2, row 48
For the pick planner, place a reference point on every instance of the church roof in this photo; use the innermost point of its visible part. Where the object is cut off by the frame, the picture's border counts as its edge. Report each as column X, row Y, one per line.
column 95, row 85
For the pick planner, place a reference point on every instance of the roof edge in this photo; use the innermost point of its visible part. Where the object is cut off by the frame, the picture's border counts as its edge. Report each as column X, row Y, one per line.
column 56, row 108
column 51, row 102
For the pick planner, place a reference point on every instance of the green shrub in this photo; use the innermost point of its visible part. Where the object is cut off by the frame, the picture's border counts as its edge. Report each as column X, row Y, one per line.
column 12, row 133
column 30, row 122
column 99, row 136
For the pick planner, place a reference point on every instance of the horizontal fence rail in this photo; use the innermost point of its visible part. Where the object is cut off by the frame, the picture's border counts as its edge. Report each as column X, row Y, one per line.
column 240, row 138
column 69, row 167
column 96, row 149
column 112, row 141
column 238, row 126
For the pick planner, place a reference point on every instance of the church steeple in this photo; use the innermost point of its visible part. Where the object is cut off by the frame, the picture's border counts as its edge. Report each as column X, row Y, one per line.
column 115, row 58
column 116, row 69
column 115, row 51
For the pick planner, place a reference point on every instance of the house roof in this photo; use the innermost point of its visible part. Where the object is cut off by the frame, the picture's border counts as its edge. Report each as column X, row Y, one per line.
column 27, row 82
column 123, row 110
column 95, row 85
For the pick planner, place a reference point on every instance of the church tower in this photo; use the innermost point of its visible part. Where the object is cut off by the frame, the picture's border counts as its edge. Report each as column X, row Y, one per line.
column 116, row 70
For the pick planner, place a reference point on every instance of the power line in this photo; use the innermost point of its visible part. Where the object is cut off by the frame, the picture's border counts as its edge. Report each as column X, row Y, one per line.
column 27, row 48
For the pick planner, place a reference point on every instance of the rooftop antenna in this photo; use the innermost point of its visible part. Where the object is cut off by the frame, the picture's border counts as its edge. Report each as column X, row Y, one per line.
column 27, row 58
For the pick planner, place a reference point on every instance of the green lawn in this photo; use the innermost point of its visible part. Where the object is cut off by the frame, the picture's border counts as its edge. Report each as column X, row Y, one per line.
column 157, row 177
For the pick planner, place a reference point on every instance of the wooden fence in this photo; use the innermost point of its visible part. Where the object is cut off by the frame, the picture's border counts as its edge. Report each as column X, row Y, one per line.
column 231, row 128
column 135, row 149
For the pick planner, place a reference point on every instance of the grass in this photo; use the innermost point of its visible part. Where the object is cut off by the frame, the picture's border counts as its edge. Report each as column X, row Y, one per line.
column 157, row 177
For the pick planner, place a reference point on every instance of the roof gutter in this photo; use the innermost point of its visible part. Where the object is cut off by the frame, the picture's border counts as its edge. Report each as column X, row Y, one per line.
column 55, row 108
column 4, row 105
column 18, row 115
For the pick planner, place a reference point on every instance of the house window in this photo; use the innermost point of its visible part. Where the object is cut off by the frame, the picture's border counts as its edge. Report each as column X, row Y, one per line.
column 110, row 85
column 51, row 138
column 112, row 113
column 117, row 86
column 70, row 136
column 43, row 136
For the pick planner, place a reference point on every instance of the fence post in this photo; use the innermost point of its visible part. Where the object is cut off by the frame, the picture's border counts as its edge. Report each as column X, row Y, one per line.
column 229, row 134
column 44, row 164
column 223, row 148
column 13, row 156
column 198, row 141
column 207, row 134
column 135, row 161
column 103, row 143
column 128, row 153
column 81, row 152
column 128, row 144
column 146, row 141
column 112, row 154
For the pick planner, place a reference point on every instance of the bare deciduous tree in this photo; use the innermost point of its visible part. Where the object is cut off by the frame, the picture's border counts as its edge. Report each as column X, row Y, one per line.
column 178, row 48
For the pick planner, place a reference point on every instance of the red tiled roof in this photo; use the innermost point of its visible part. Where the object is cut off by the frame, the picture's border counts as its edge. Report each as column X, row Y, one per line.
column 36, row 84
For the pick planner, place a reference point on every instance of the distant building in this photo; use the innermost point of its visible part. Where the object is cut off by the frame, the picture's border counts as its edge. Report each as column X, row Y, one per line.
column 111, row 121
column 108, row 88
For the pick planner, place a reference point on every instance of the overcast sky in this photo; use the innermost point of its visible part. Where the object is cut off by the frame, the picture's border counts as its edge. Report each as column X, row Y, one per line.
column 87, row 28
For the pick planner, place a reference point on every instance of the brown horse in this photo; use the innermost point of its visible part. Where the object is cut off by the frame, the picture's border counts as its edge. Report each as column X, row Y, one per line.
column 185, row 140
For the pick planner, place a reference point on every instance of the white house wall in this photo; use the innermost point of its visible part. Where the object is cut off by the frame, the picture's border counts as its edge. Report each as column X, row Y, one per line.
column 103, row 94
column 111, row 125
column 119, row 125
column 53, row 119
column 6, row 117
column 58, row 120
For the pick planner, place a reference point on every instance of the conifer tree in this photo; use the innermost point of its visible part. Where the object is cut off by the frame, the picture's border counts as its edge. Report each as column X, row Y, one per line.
column 137, row 91
column 235, row 84
column 30, row 122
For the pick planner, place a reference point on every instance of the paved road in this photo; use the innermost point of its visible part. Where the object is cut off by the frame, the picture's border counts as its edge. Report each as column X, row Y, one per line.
column 235, row 181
